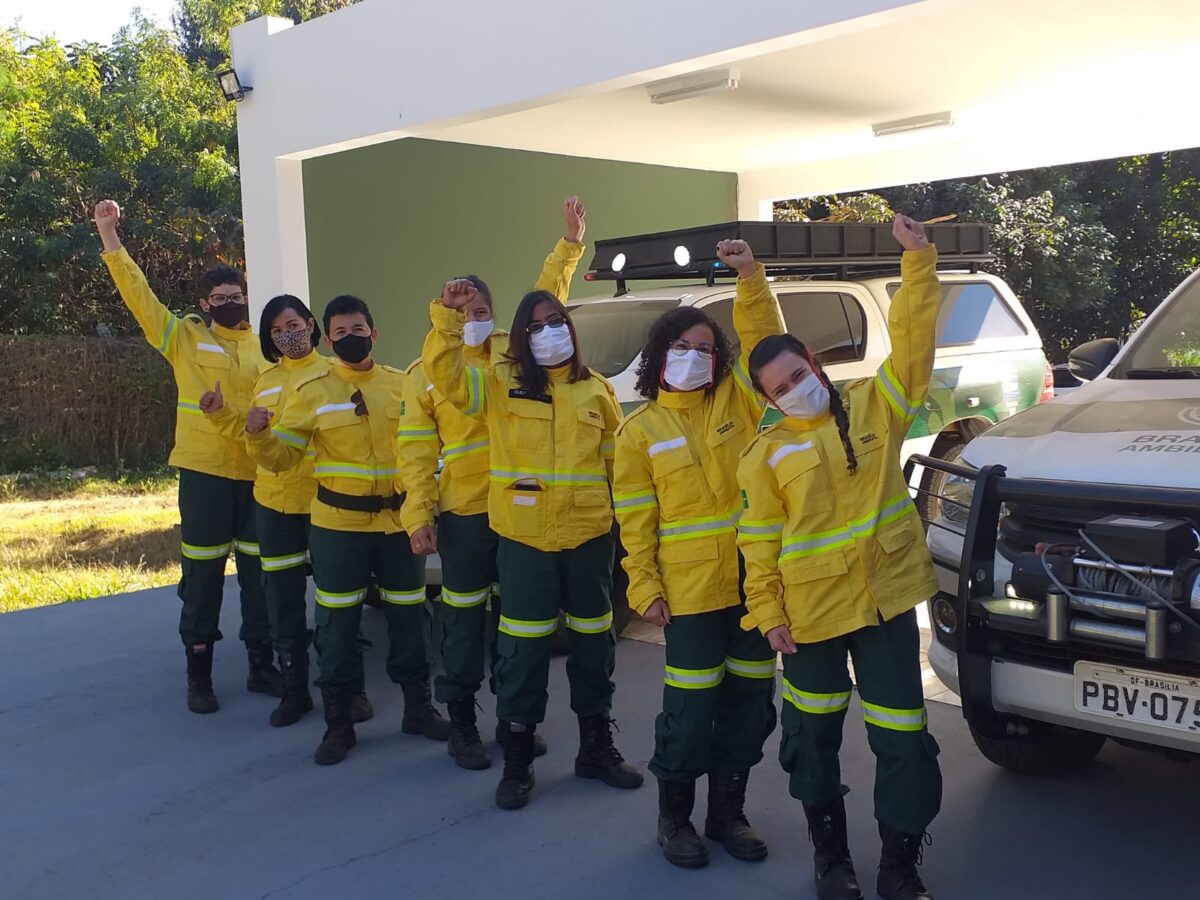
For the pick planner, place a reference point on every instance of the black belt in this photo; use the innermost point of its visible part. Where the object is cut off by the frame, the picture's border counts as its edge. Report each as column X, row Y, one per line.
column 358, row 504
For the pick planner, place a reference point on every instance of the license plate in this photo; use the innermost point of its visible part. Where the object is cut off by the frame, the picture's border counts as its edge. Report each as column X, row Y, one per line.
column 1148, row 698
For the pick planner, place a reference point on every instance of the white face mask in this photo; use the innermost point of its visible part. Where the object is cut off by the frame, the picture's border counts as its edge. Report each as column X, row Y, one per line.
column 476, row 332
column 807, row 400
column 688, row 372
column 552, row 345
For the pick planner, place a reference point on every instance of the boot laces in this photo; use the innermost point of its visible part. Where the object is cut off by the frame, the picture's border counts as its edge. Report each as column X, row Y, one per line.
column 606, row 749
column 517, row 763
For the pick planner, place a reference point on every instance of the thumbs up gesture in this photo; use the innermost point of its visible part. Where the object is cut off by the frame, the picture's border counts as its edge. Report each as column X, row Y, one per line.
column 212, row 400
column 258, row 419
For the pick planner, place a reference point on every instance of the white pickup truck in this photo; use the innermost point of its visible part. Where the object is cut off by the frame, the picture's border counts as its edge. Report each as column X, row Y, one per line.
column 1067, row 542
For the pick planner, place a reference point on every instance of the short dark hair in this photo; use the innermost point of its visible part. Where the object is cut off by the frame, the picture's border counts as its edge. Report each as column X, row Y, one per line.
column 530, row 375
column 219, row 275
column 770, row 347
column 275, row 306
column 347, row 305
column 480, row 285
column 665, row 331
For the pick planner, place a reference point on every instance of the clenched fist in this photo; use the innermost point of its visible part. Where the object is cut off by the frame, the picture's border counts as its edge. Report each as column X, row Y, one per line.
column 575, row 214
column 106, row 216
column 423, row 541
column 258, row 419
column 457, row 293
column 738, row 256
column 910, row 233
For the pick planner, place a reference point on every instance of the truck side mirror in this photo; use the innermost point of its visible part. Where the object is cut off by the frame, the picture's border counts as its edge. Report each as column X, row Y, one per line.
column 1087, row 361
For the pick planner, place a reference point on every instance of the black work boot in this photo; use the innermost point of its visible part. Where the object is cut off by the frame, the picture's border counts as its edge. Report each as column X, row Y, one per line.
column 516, row 784
column 264, row 678
column 339, row 729
column 465, row 744
column 200, row 696
column 297, row 699
column 902, row 853
column 726, row 819
column 361, row 709
column 831, row 852
column 598, row 756
column 420, row 716
column 680, row 844
column 539, row 742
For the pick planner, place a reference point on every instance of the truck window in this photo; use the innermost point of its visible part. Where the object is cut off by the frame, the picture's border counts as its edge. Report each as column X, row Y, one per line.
column 1170, row 341
column 612, row 332
column 971, row 312
column 832, row 325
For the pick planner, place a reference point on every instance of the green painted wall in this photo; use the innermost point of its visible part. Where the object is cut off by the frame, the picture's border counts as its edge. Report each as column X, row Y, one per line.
column 392, row 222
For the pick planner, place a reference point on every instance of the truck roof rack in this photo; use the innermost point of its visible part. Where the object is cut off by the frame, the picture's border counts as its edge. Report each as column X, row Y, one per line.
column 812, row 249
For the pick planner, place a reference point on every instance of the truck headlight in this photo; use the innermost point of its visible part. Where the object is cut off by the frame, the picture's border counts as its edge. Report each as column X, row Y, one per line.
column 959, row 490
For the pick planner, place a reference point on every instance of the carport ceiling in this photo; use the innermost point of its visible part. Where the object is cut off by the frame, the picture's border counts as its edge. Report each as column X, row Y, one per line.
column 1011, row 67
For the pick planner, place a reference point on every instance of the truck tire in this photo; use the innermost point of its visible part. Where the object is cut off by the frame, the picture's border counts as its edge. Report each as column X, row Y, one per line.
column 1047, row 750
column 929, row 504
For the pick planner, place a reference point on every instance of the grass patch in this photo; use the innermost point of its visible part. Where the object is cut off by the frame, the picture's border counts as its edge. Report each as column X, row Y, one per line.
column 74, row 539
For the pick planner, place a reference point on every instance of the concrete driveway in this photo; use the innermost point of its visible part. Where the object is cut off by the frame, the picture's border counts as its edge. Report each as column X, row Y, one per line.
column 109, row 788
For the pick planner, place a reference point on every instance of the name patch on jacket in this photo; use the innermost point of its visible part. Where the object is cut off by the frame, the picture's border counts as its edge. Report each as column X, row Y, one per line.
column 726, row 427
column 869, row 438
column 523, row 394
column 592, row 414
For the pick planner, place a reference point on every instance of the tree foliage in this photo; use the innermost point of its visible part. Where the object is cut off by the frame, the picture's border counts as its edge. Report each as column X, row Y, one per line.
column 140, row 119
column 1090, row 248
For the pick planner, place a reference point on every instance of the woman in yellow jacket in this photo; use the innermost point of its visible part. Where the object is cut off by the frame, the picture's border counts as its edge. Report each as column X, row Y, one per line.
column 550, row 427
column 677, row 501
column 465, row 541
column 836, row 564
column 216, row 475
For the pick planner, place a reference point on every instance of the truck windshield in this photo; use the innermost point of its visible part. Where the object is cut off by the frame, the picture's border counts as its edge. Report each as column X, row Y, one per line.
column 612, row 332
column 1170, row 344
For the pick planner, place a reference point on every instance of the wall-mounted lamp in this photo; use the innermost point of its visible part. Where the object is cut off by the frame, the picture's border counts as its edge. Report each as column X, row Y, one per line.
column 916, row 123
column 231, row 86
column 698, row 84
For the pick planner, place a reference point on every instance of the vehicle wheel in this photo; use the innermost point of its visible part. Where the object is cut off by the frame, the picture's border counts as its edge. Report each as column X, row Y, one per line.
column 1047, row 750
column 929, row 502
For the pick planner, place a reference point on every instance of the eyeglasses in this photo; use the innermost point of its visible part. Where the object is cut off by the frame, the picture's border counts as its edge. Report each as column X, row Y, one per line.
column 554, row 321
column 360, row 405
column 680, row 348
column 221, row 299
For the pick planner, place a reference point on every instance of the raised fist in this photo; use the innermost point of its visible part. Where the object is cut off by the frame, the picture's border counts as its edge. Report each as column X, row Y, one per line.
column 575, row 215
column 107, row 215
column 910, row 233
column 457, row 293
column 738, row 256
column 258, row 419
column 212, row 400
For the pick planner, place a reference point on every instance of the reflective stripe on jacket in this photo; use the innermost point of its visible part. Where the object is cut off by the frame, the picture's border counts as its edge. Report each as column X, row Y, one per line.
column 827, row 552
column 675, row 491
column 355, row 454
column 200, row 356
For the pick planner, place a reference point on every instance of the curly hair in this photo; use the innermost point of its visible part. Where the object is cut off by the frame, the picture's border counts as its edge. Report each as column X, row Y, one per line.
column 663, row 333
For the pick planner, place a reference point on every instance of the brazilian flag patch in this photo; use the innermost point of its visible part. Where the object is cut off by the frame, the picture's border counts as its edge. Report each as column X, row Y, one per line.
column 745, row 501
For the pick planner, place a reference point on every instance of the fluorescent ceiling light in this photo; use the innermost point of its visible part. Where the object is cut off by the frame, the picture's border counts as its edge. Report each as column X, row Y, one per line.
column 899, row 126
column 715, row 81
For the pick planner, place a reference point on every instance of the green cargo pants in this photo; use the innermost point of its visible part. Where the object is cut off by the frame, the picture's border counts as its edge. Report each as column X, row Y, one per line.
column 467, row 546
column 816, row 691
column 217, row 515
column 535, row 585
column 283, row 540
column 718, row 699
column 343, row 562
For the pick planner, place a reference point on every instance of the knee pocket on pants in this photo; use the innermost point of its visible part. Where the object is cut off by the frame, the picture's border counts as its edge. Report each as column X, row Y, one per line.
column 791, row 744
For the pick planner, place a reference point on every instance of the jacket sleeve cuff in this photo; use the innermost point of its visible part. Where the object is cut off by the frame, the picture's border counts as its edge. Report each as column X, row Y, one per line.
column 916, row 265
column 569, row 252
column 446, row 319
column 764, row 621
column 643, row 595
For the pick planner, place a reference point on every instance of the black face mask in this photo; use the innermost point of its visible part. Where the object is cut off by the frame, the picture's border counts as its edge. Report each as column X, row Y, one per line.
column 231, row 315
column 353, row 348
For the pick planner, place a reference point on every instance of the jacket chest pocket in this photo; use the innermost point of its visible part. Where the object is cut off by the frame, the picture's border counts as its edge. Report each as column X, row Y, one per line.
column 530, row 426
column 342, row 437
column 801, row 475
column 214, row 364
column 678, row 479
column 269, row 398
column 588, row 431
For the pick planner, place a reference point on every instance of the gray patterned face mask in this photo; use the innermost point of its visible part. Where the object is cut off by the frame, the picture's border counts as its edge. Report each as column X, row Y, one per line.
column 293, row 344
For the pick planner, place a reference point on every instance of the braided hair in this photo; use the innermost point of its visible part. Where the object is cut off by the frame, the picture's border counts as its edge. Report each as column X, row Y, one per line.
column 769, row 348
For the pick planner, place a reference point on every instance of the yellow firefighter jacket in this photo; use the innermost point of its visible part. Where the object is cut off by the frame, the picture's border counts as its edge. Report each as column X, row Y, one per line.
column 201, row 355
column 827, row 552
column 676, row 492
